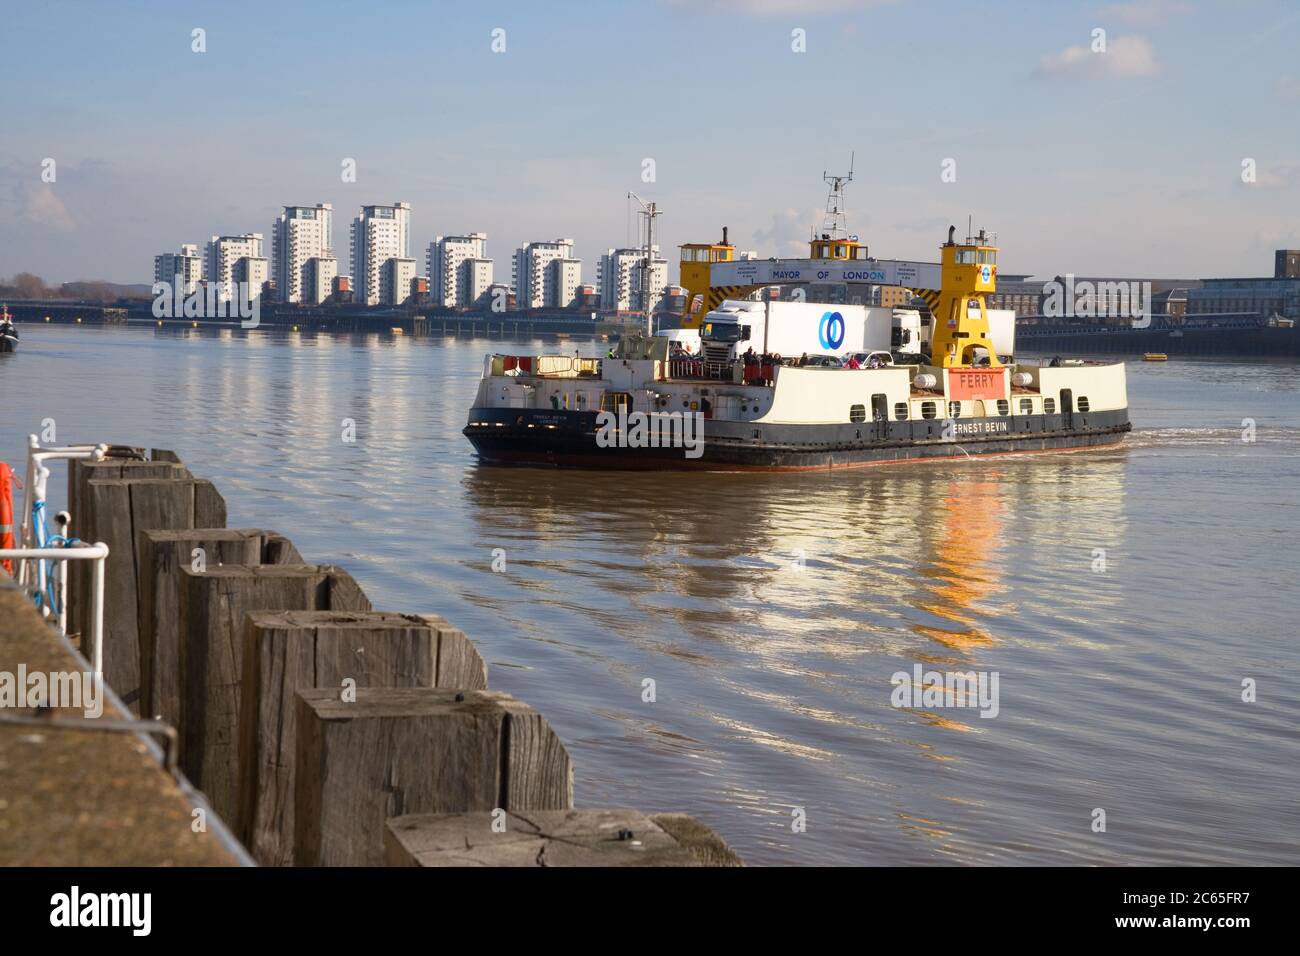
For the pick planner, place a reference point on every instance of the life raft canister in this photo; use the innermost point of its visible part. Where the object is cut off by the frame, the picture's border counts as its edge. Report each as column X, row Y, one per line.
column 7, row 512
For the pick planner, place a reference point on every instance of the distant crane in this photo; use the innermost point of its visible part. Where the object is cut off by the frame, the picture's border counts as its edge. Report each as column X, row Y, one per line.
column 651, row 212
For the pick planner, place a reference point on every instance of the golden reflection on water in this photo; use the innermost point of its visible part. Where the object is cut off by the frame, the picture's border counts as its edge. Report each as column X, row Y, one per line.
column 962, row 565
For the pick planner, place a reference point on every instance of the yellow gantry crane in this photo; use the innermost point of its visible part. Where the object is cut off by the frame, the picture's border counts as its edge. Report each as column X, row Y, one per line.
column 968, row 272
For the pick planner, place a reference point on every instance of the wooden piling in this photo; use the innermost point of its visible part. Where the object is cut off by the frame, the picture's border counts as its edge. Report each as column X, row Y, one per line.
column 119, row 509
column 213, row 607
column 553, row 838
column 159, row 557
column 396, row 751
column 288, row 651
column 80, row 473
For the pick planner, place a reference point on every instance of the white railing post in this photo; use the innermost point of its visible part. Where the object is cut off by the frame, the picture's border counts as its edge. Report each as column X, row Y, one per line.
column 97, row 552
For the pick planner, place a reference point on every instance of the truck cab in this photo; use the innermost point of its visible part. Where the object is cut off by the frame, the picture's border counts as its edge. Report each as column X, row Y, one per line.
column 729, row 331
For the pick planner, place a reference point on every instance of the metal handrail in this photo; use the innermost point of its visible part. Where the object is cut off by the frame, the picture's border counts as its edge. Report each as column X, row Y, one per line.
column 36, row 457
column 96, row 552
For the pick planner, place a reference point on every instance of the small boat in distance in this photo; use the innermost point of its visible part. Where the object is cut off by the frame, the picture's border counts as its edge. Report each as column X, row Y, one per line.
column 1155, row 357
column 8, row 333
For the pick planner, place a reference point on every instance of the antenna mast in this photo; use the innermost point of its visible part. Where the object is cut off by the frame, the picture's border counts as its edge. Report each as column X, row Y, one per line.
column 835, row 225
column 651, row 212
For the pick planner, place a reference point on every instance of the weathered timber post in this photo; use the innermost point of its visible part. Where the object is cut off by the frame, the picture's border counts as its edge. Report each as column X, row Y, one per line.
column 395, row 751
column 80, row 473
column 288, row 651
column 213, row 607
column 554, row 838
column 159, row 557
column 118, row 509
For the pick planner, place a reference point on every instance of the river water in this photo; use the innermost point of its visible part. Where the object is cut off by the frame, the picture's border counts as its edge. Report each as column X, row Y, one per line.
column 1121, row 596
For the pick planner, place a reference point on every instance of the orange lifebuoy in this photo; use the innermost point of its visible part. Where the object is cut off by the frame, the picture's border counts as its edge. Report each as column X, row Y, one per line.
column 7, row 512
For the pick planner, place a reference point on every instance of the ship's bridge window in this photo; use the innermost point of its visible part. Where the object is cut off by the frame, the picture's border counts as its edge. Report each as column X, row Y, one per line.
column 857, row 413
column 1083, row 403
column 928, row 410
column 965, row 257
column 1049, row 406
column 860, row 252
column 986, row 257
column 1026, row 406
column 1004, row 407
column 900, row 411
column 841, row 252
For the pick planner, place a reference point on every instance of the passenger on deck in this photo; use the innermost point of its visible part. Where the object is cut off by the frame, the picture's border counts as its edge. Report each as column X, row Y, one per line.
column 873, row 362
column 1055, row 362
column 803, row 360
column 854, row 363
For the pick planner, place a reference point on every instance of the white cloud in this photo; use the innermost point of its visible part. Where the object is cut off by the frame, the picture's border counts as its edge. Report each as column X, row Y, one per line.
column 1144, row 13
column 43, row 207
column 1125, row 56
column 789, row 233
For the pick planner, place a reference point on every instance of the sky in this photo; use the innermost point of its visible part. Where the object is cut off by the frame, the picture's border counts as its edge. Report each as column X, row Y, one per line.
column 1127, row 161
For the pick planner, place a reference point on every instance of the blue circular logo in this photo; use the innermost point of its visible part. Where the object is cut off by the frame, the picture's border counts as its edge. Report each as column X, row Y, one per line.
column 985, row 274
column 831, row 331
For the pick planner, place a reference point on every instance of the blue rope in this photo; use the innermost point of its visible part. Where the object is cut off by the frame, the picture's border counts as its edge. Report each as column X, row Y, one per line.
column 50, row 596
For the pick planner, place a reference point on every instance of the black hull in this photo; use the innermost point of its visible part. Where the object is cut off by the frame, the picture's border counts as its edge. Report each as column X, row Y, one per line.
column 567, row 439
column 8, row 345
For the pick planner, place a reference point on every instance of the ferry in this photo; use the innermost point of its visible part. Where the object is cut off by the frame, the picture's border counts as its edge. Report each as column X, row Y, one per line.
column 751, row 385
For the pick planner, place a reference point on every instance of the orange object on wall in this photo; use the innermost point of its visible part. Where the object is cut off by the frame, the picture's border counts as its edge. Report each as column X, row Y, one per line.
column 976, row 384
column 7, row 539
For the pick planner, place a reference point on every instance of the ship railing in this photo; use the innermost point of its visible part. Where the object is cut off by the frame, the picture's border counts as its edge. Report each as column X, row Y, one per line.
column 567, row 366
column 701, row 369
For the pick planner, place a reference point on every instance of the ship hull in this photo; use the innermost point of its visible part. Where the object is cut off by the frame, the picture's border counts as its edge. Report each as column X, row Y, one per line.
column 568, row 439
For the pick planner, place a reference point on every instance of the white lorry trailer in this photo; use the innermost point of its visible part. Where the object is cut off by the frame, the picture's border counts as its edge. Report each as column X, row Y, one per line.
column 796, row 328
